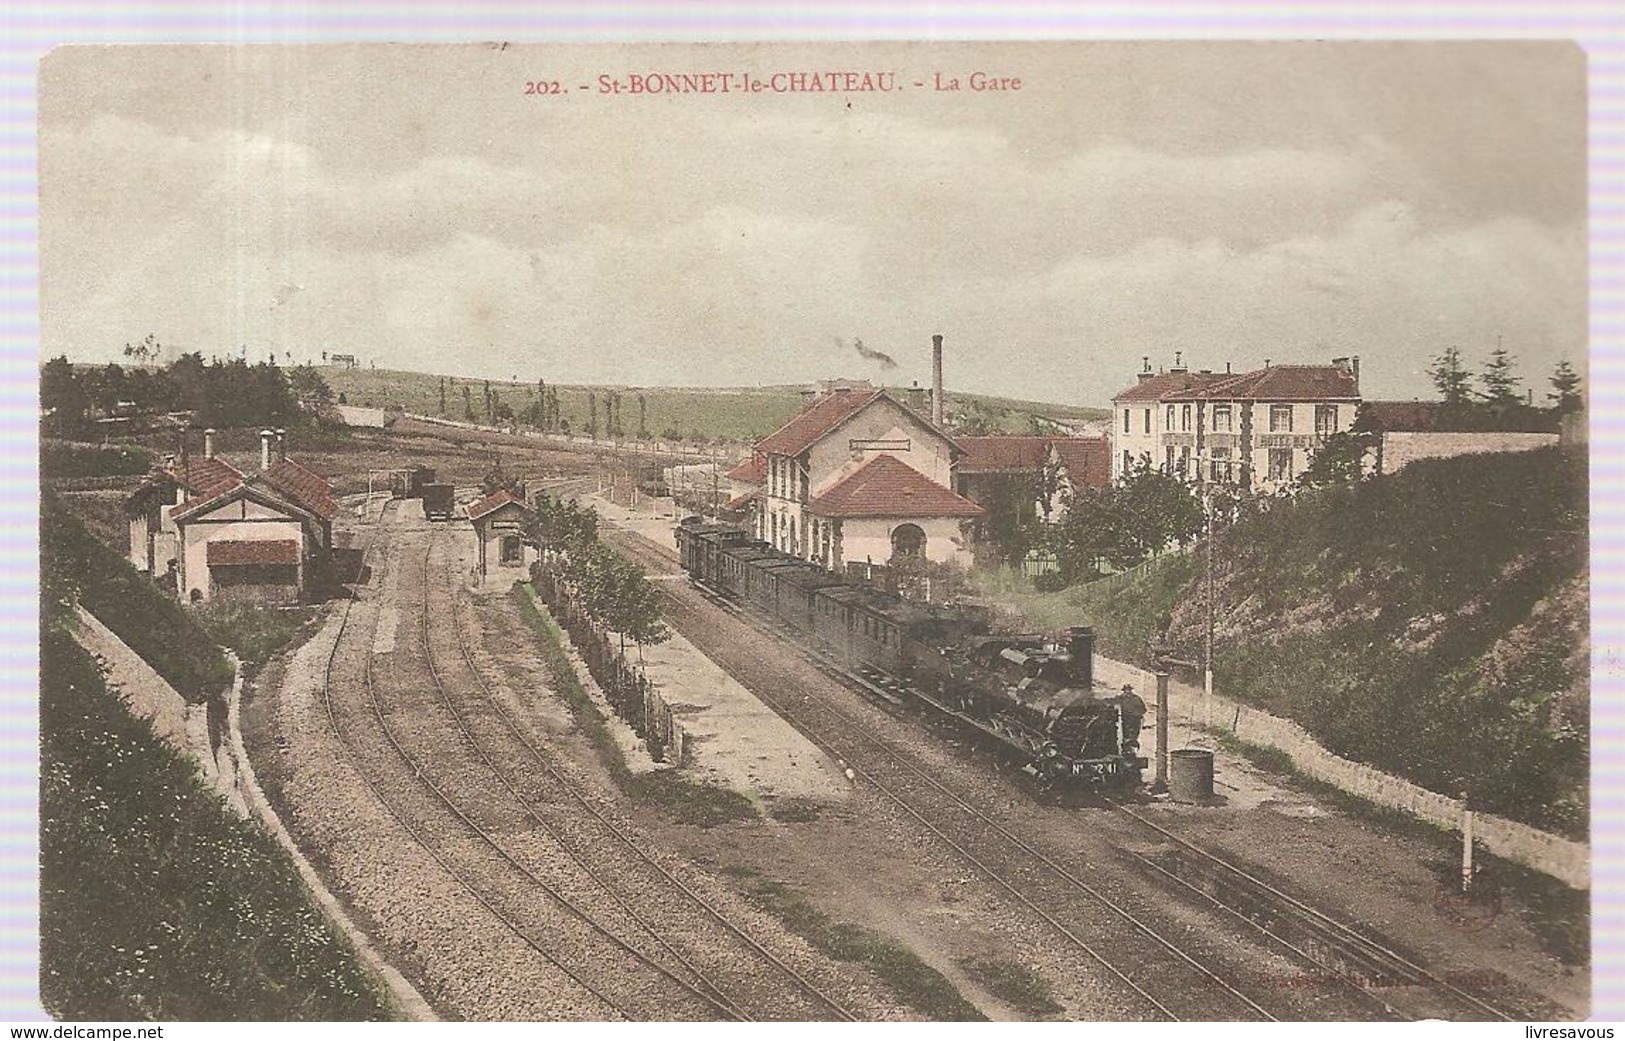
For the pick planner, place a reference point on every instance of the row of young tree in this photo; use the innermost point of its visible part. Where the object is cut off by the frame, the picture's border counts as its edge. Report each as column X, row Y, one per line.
column 541, row 411
column 613, row 591
column 218, row 392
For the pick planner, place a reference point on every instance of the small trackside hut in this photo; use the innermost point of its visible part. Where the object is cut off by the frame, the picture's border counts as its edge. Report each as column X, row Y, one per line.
column 499, row 521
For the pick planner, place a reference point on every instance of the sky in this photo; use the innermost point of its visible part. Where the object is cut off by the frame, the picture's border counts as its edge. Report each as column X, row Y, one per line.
column 414, row 206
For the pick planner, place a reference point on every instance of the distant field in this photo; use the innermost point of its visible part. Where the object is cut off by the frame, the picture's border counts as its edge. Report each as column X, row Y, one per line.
column 731, row 413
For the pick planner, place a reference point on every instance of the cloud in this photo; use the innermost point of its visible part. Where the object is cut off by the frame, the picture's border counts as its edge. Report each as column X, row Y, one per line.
column 681, row 250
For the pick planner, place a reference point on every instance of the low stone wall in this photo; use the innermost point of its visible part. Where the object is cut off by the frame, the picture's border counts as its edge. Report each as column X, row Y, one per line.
column 1563, row 859
column 226, row 768
column 149, row 696
column 1402, row 448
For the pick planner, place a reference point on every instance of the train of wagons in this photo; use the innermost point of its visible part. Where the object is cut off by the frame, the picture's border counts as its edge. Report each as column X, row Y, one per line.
column 1036, row 697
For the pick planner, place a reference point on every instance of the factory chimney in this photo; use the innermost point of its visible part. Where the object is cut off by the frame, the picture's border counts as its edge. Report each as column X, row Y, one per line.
column 265, row 449
column 937, row 411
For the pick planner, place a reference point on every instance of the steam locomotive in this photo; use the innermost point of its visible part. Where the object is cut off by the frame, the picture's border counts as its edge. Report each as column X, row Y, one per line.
column 1034, row 696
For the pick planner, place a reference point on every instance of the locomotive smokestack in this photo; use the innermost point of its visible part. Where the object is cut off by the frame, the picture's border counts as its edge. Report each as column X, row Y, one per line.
column 937, row 410
column 1080, row 647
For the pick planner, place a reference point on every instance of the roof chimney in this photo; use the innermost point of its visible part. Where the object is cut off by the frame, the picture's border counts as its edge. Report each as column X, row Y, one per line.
column 208, row 443
column 1356, row 364
column 1266, row 363
column 936, row 381
column 1179, row 364
column 265, row 449
column 1145, row 364
column 1227, row 368
column 281, row 444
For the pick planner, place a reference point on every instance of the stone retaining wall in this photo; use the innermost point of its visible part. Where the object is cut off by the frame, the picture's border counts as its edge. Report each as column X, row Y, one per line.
column 1564, row 859
column 226, row 769
column 1402, row 447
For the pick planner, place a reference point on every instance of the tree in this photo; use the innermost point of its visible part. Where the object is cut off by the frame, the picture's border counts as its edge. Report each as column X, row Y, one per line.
column 1340, row 459
column 1500, row 385
column 643, row 418
column 61, row 391
column 309, row 388
column 442, row 395
column 1565, row 396
column 592, row 414
column 1450, row 377
column 148, row 350
column 468, row 404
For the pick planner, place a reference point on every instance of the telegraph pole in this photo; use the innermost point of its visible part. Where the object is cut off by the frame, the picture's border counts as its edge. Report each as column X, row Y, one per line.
column 1207, row 647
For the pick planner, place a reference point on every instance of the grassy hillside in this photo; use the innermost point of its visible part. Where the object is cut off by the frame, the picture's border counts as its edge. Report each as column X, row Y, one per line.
column 76, row 566
column 155, row 901
column 1433, row 623
column 733, row 413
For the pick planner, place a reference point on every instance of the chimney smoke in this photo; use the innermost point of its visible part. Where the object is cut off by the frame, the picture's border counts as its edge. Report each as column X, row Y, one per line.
column 937, row 410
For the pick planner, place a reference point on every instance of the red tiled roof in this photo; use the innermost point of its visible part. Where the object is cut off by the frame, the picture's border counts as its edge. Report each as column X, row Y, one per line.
column 739, row 502
column 1001, row 454
column 203, row 477
column 751, row 471
column 253, row 551
column 1152, row 388
column 1403, row 416
column 887, row 487
column 305, row 487
column 814, row 421
column 253, row 488
column 1087, row 460
column 1281, row 383
column 493, row 502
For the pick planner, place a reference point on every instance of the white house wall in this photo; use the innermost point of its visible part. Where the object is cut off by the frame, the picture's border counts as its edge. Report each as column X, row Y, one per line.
column 832, row 458
column 868, row 539
column 198, row 536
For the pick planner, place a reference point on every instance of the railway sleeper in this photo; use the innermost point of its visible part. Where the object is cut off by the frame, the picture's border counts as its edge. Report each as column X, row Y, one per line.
column 1336, row 953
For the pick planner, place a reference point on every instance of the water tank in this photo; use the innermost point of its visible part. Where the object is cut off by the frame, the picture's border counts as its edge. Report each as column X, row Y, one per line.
column 1190, row 775
column 1080, row 647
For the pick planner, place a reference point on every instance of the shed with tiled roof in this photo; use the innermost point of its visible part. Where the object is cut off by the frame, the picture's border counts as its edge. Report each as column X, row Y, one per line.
column 499, row 521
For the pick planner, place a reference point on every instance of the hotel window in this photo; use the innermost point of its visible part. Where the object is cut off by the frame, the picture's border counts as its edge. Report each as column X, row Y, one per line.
column 1168, row 460
column 1325, row 420
column 1148, row 421
column 1219, row 464
column 1280, row 464
column 1185, row 418
column 1184, row 459
column 1168, row 419
column 1280, row 419
column 1221, row 419
column 1128, row 463
column 1125, row 421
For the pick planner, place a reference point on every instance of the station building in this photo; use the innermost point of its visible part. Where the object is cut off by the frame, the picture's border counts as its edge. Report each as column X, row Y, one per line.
column 858, row 477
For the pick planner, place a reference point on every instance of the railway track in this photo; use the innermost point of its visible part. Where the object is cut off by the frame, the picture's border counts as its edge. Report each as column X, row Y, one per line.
column 1343, row 954
column 1165, row 979
column 471, row 844
column 670, row 912
column 1375, row 978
